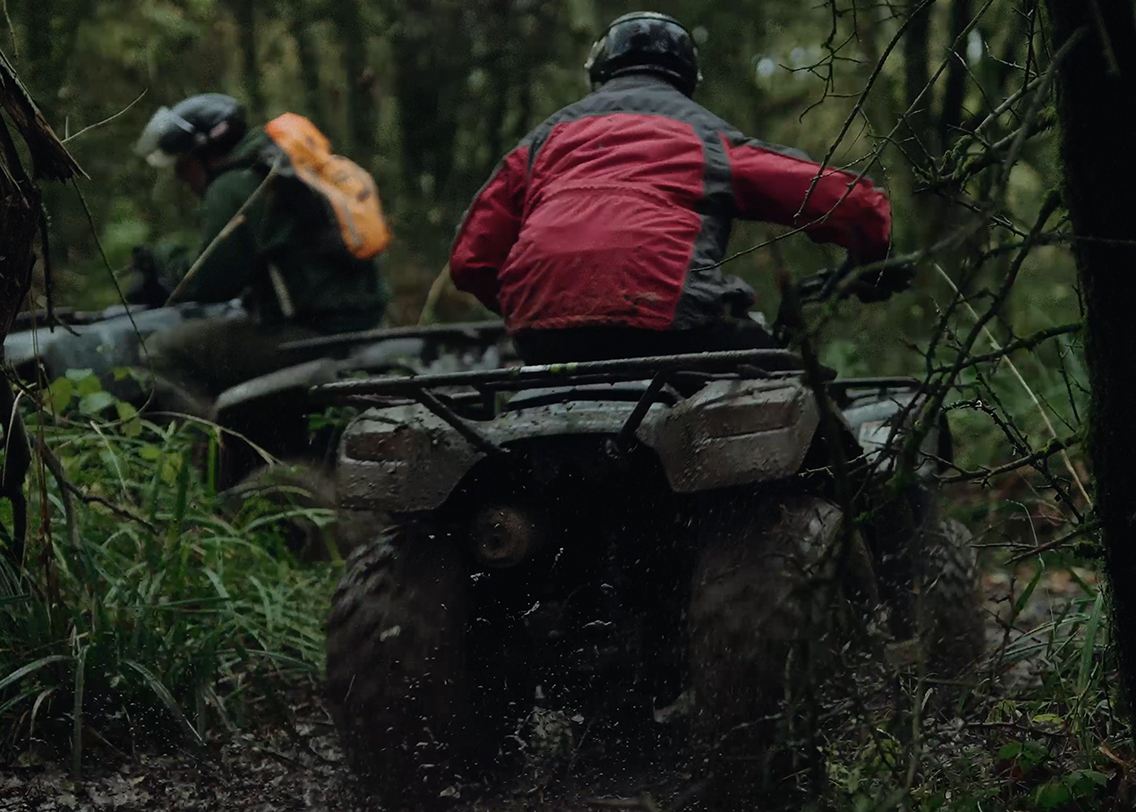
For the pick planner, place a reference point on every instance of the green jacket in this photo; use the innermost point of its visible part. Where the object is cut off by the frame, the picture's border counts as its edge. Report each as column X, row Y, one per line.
column 329, row 291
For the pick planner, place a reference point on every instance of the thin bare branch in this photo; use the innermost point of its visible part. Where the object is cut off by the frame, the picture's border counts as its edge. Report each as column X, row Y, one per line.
column 107, row 120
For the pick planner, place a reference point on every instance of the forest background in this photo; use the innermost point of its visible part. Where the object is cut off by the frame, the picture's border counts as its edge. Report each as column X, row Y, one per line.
column 428, row 95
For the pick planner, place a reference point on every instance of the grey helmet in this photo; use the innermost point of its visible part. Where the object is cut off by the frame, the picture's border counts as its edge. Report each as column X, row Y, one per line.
column 209, row 122
column 646, row 42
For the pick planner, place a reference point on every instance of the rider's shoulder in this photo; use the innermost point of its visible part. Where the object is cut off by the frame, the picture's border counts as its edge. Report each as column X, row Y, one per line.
column 236, row 183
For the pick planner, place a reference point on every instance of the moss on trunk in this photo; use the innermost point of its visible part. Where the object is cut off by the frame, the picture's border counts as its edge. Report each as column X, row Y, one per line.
column 1094, row 103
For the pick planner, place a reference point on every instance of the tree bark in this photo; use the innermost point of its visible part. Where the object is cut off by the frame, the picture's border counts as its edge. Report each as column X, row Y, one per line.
column 37, row 22
column 362, row 119
column 1095, row 140
column 916, row 76
column 245, row 14
column 502, row 67
column 20, row 219
column 429, row 84
column 955, row 93
column 307, row 53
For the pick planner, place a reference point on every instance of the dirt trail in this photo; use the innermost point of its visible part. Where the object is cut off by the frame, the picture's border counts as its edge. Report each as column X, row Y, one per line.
column 1033, row 625
column 257, row 775
column 282, row 772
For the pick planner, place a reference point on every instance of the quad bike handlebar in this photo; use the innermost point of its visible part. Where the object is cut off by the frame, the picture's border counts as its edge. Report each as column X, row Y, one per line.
column 893, row 277
column 832, row 283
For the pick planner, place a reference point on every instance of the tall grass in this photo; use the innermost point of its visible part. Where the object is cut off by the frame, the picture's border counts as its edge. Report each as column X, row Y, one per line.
column 140, row 614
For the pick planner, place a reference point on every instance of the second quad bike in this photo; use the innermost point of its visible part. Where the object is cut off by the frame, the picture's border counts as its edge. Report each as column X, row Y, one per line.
column 275, row 412
column 270, row 414
column 630, row 531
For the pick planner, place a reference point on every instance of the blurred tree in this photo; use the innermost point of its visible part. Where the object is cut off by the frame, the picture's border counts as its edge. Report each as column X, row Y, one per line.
column 245, row 13
column 300, row 21
column 362, row 114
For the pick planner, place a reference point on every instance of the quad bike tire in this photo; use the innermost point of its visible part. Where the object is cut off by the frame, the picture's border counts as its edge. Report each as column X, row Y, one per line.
column 948, row 602
column 296, row 485
column 396, row 665
column 930, row 581
column 768, row 601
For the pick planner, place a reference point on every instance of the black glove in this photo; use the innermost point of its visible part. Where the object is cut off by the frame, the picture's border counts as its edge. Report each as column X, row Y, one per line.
column 149, row 289
column 879, row 286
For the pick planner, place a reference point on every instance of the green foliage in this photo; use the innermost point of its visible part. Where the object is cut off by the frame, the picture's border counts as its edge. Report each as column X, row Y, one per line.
column 332, row 417
column 1050, row 746
column 141, row 612
column 158, row 615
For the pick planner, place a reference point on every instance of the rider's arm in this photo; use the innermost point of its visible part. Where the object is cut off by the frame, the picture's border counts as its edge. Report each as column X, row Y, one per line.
column 771, row 184
column 229, row 266
column 489, row 230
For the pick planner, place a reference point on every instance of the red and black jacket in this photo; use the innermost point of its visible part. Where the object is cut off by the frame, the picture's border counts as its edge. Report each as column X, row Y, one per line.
column 616, row 210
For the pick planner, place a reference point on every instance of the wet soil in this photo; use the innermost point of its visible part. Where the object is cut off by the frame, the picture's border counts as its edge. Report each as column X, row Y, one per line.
column 278, row 770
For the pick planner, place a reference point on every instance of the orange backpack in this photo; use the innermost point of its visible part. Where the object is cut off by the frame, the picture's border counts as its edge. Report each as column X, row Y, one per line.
column 347, row 188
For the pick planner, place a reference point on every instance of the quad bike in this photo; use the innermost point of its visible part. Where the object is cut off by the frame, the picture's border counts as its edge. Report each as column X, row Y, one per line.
column 611, row 537
column 101, row 341
column 273, row 412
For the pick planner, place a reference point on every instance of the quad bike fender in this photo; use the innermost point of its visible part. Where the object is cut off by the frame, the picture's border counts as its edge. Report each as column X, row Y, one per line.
column 380, row 354
column 734, row 433
column 880, row 422
column 406, row 459
column 290, row 382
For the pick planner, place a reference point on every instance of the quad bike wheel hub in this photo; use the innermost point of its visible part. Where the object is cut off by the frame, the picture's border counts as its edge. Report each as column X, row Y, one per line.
column 504, row 536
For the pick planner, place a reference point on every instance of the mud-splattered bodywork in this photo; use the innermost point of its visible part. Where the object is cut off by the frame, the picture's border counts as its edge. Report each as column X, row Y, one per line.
column 405, row 459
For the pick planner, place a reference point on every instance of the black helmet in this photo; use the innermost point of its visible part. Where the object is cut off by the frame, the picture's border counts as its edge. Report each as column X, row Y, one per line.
column 645, row 41
column 210, row 122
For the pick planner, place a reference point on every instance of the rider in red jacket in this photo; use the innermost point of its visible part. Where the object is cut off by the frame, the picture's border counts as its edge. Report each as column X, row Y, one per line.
column 601, row 233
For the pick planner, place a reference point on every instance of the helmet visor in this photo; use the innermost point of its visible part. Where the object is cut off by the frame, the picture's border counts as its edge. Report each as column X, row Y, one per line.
column 165, row 138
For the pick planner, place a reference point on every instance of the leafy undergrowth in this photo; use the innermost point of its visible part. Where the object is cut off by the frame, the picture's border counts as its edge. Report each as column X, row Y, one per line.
column 1036, row 727
column 141, row 617
column 145, row 620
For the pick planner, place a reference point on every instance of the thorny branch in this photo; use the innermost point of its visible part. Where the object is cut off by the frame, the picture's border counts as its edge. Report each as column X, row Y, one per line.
column 987, row 251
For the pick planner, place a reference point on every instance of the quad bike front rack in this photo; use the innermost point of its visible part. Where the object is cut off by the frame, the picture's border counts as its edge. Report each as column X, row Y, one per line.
column 661, row 370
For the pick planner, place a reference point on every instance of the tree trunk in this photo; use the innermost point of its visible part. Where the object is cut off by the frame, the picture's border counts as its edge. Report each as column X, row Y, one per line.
column 19, row 221
column 37, row 23
column 429, row 82
column 918, row 135
column 1095, row 140
column 955, row 94
column 307, row 53
column 245, row 13
column 502, row 67
column 20, row 218
column 362, row 121
column 916, row 76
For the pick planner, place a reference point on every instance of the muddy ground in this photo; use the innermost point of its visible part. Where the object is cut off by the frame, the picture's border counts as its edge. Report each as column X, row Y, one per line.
column 302, row 769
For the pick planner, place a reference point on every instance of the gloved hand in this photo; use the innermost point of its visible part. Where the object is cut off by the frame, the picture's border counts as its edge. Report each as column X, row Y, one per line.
column 148, row 289
column 879, row 286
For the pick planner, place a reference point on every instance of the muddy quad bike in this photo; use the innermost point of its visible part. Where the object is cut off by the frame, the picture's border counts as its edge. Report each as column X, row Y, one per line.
column 101, row 341
column 633, row 531
column 273, row 412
